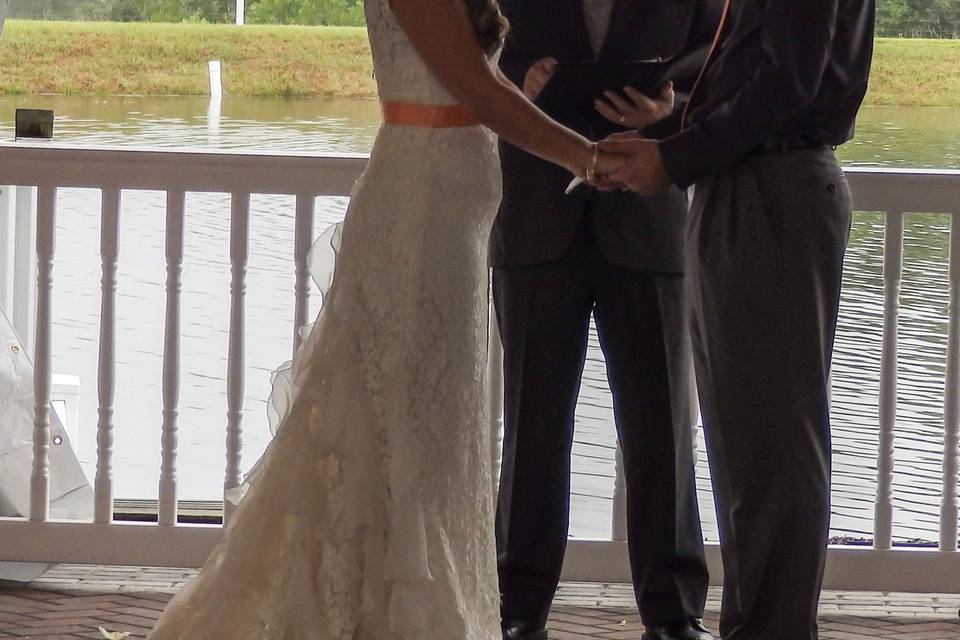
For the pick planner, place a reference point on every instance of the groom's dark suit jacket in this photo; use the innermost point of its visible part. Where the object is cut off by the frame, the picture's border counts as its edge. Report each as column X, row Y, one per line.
column 537, row 223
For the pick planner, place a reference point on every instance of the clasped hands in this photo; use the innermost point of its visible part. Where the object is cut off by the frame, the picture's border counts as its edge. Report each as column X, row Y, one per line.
column 626, row 160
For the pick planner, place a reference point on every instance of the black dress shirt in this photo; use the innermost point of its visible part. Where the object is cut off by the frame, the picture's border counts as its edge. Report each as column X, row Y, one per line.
column 786, row 70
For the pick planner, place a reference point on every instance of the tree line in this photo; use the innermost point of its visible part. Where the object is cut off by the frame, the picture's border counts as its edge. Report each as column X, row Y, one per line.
column 895, row 18
column 919, row 18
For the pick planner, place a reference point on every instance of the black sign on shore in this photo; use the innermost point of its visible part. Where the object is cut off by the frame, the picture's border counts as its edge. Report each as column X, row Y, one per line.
column 34, row 123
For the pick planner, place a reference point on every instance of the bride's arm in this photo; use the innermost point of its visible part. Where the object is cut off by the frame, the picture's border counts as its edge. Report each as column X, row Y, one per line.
column 441, row 32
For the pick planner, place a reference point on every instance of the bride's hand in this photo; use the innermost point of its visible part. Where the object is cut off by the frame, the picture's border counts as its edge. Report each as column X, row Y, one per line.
column 596, row 165
column 601, row 165
column 608, row 164
column 624, row 135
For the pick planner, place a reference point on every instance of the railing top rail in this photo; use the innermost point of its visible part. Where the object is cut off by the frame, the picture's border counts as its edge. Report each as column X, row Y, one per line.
column 63, row 165
column 905, row 189
column 333, row 174
column 25, row 146
column 900, row 171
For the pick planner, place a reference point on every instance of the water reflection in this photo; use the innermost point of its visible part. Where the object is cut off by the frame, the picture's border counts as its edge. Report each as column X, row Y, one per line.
column 886, row 136
column 905, row 137
column 288, row 125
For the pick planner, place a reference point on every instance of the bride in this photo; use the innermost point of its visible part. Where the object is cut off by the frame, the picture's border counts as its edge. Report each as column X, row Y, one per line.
column 370, row 515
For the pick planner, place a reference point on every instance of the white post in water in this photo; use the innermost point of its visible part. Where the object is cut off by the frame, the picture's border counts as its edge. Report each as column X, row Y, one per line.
column 213, row 122
column 216, row 83
column 216, row 97
column 240, row 12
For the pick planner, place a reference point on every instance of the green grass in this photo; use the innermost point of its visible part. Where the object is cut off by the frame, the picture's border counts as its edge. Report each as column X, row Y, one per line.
column 916, row 73
column 170, row 59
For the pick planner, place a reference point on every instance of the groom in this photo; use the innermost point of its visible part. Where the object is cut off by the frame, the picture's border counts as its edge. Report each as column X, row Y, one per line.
column 558, row 258
column 767, row 234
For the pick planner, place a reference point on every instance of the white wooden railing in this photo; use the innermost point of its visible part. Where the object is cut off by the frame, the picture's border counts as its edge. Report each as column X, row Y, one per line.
column 112, row 171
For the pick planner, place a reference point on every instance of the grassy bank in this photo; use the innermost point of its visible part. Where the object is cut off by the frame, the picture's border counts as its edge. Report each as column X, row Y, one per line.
column 170, row 59
column 916, row 73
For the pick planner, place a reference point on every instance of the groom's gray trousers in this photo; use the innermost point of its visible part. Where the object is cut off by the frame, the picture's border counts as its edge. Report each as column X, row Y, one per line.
column 765, row 246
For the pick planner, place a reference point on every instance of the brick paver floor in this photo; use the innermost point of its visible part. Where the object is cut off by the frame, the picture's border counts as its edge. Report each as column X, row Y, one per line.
column 70, row 601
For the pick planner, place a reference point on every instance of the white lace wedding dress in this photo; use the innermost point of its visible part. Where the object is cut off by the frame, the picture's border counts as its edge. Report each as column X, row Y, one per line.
column 370, row 516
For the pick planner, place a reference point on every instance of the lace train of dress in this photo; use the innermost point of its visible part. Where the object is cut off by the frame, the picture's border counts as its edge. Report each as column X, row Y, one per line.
column 370, row 515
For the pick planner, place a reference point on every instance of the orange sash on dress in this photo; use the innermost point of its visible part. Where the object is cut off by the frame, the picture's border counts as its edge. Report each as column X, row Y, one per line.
column 429, row 116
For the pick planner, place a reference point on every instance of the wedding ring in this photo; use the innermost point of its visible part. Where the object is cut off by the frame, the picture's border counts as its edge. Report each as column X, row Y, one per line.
column 622, row 118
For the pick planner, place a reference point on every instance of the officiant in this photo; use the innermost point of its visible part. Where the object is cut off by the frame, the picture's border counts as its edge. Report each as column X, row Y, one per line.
column 558, row 259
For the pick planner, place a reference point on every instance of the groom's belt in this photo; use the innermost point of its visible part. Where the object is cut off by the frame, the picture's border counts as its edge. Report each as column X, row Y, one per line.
column 788, row 143
column 429, row 116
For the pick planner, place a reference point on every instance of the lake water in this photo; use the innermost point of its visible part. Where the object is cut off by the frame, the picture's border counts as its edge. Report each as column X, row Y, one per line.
column 917, row 137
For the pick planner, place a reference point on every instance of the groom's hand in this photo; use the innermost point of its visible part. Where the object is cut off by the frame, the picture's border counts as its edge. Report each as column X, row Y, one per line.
column 642, row 169
column 538, row 75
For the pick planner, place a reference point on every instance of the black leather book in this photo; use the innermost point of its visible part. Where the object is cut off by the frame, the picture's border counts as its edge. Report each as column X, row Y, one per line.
column 575, row 85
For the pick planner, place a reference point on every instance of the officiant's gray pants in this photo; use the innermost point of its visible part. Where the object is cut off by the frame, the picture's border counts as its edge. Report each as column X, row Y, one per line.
column 764, row 259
